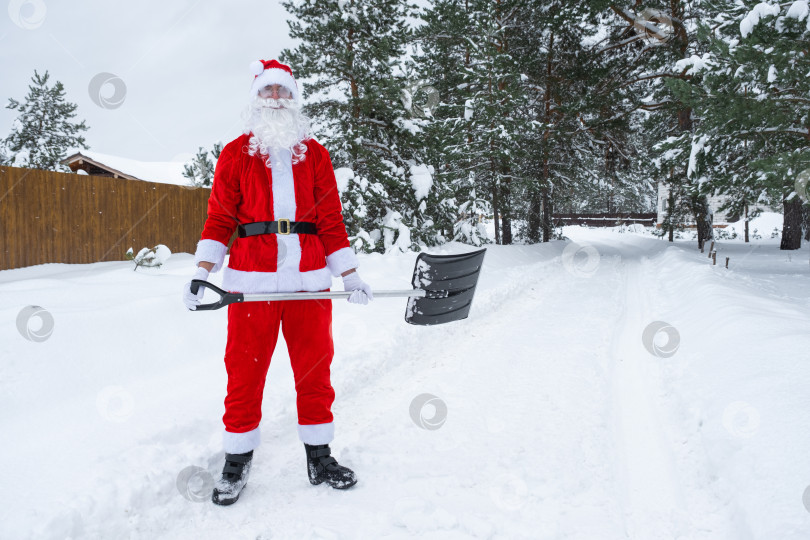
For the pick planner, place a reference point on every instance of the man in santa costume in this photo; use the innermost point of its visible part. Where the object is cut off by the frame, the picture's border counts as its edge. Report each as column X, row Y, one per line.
column 276, row 187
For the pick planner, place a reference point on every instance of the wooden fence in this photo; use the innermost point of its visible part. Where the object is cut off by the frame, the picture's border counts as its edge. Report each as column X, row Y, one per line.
column 51, row 217
column 606, row 220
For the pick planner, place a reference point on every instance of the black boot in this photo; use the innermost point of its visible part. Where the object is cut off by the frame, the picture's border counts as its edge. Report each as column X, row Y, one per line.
column 234, row 477
column 322, row 467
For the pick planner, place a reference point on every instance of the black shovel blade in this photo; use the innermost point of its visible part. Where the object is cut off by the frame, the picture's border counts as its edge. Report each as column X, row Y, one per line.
column 450, row 282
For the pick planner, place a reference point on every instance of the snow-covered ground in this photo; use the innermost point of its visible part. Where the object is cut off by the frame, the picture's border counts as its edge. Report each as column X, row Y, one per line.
column 564, row 419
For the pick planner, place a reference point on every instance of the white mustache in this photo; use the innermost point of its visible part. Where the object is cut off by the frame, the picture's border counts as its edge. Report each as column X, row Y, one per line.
column 270, row 103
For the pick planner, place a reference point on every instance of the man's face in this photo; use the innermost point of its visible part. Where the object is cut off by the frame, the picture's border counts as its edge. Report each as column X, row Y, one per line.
column 275, row 91
column 276, row 120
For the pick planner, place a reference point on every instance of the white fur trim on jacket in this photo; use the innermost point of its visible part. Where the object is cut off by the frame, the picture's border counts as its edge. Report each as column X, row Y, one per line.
column 316, row 433
column 289, row 245
column 341, row 260
column 239, row 443
column 271, row 282
column 211, row 251
column 274, row 76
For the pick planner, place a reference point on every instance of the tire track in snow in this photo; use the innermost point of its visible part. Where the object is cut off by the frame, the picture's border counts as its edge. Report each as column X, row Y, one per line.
column 650, row 490
column 665, row 483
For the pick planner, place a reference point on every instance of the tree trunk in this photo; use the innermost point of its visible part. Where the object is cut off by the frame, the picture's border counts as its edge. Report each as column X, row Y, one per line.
column 792, row 224
column 703, row 218
column 507, row 230
column 535, row 220
column 669, row 219
column 746, row 223
column 546, row 198
column 355, row 90
column 545, row 192
column 806, row 222
column 506, row 211
column 611, row 159
column 495, row 214
column 685, row 119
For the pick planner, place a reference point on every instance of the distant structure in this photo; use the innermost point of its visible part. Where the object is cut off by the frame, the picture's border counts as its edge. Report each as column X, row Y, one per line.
column 164, row 172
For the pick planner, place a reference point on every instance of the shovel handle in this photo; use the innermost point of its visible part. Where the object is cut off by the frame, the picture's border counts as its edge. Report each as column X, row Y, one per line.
column 226, row 298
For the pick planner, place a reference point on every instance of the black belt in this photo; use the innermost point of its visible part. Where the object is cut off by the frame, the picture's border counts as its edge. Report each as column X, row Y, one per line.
column 282, row 226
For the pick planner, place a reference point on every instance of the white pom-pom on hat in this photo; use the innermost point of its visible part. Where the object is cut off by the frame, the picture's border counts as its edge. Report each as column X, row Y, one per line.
column 256, row 67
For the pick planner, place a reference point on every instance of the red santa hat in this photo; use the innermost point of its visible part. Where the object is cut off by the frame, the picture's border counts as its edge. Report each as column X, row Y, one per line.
column 272, row 72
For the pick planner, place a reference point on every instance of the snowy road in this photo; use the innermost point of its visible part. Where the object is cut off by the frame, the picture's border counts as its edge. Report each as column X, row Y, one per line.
column 560, row 423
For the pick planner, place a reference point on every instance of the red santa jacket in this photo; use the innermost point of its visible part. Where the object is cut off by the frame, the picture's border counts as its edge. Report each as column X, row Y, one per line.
column 246, row 190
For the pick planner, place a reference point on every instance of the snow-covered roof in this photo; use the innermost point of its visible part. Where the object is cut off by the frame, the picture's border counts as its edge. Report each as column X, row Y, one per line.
column 165, row 172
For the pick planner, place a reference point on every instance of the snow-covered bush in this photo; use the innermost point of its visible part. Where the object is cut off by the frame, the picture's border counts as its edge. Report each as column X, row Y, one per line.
column 151, row 258
column 722, row 234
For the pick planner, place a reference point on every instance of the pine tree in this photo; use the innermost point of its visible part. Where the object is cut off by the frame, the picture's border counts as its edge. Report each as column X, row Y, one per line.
column 351, row 52
column 575, row 110
column 676, row 211
column 5, row 159
column 43, row 132
column 519, row 123
column 441, row 58
column 663, row 55
column 753, row 106
column 466, row 54
column 200, row 171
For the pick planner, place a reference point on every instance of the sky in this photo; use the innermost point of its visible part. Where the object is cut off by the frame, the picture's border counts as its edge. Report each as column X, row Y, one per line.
column 178, row 71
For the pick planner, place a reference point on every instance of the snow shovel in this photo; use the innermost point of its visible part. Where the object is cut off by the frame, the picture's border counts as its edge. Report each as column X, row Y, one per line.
column 443, row 291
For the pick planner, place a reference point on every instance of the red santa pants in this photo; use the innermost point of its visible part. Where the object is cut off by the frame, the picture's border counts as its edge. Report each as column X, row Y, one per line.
column 252, row 335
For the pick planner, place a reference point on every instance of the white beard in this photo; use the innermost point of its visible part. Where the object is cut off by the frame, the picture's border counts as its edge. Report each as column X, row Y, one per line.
column 276, row 124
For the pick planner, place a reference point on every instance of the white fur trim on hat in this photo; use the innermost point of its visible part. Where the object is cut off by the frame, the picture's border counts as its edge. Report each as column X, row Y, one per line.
column 274, row 76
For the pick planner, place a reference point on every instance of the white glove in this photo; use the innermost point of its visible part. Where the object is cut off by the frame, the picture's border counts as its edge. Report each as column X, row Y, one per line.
column 362, row 290
column 193, row 300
